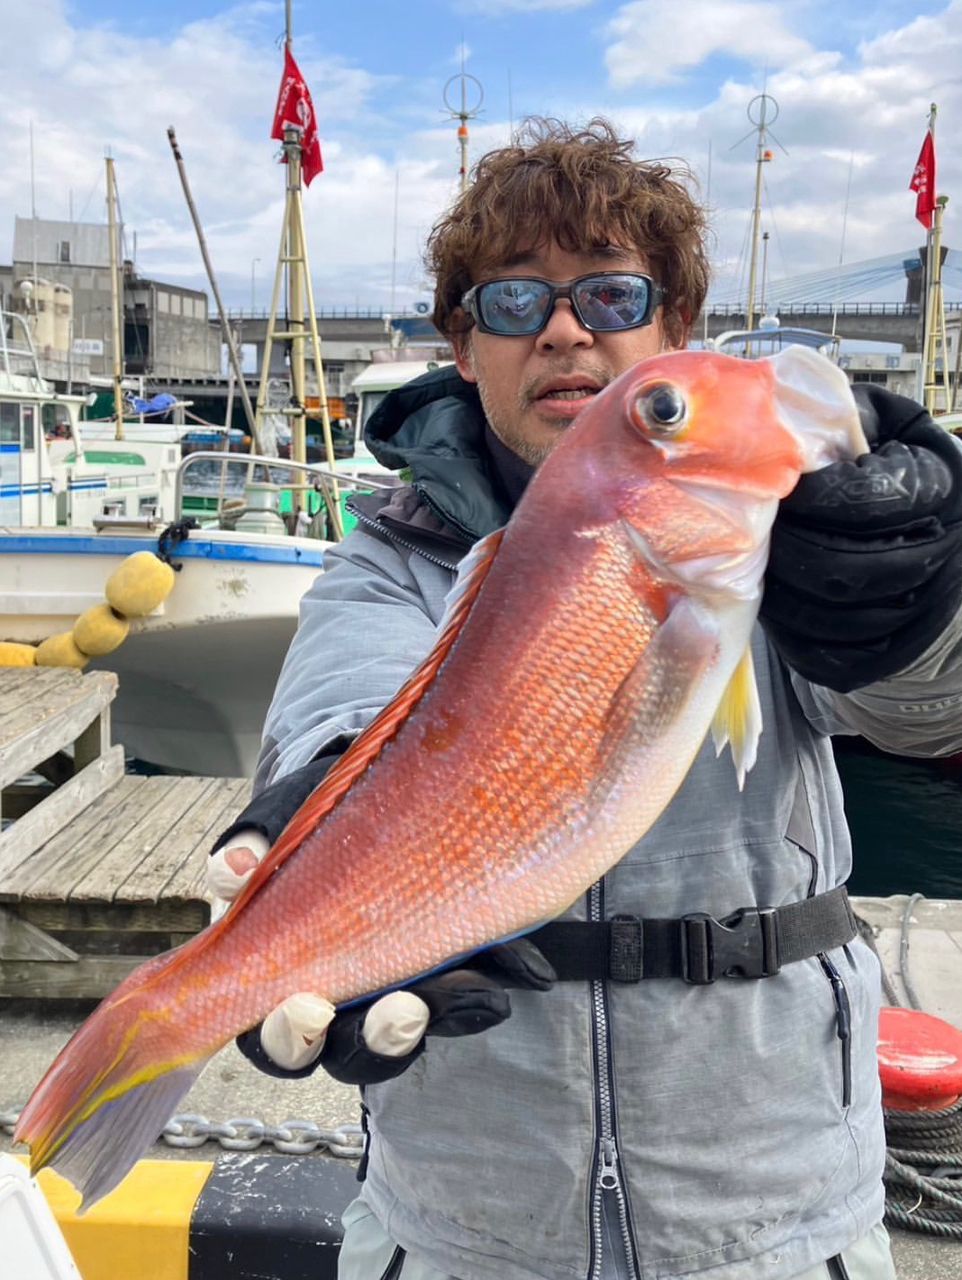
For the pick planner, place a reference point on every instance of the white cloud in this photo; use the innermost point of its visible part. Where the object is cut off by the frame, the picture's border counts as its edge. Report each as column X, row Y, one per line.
column 86, row 88
column 656, row 41
column 491, row 8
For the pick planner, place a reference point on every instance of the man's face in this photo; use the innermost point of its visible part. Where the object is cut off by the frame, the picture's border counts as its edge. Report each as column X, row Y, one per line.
column 532, row 388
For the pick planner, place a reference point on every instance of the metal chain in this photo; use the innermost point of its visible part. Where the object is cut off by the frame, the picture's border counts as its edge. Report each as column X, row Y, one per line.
column 244, row 1133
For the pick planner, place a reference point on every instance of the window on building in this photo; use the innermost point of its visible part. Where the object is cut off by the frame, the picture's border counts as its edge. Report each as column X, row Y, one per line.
column 870, row 375
column 63, row 254
column 163, row 302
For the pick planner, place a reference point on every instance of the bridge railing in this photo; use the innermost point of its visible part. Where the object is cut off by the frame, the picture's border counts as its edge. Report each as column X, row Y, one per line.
column 830, row 308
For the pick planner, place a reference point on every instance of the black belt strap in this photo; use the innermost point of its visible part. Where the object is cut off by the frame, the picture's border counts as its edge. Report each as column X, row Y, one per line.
column 753, row 942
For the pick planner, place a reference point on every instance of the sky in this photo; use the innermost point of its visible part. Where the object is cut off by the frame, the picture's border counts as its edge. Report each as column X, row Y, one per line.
column 853, row 81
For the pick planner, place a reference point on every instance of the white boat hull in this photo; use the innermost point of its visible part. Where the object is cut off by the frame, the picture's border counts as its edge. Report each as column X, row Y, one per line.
column 196, row 676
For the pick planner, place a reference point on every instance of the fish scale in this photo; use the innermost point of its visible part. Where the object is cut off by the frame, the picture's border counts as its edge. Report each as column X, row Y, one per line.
column 587, row 650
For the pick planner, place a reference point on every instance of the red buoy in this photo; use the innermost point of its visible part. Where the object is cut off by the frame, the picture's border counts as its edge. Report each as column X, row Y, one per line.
column 920, row 1061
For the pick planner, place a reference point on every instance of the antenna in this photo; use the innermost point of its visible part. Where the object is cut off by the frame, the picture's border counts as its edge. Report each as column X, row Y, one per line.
column 463, row 113
column 762, row 111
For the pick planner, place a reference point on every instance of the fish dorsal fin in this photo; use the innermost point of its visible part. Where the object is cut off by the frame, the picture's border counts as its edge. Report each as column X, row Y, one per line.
column 367, row 746
column 738, row 720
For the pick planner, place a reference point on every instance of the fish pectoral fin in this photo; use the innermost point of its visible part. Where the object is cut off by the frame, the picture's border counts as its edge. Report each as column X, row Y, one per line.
column 659, row 686
column 738, row 720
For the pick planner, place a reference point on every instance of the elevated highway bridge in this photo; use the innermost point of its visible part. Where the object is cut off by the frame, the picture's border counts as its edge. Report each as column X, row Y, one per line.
column 897, row 322
column 860, row 321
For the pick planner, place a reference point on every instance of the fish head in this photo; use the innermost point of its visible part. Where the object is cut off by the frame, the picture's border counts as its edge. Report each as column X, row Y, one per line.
column 752, row 426
column 691, row 451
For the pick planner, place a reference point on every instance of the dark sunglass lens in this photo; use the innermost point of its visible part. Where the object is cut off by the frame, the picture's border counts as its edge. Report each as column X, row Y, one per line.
column 513, row 306
column 613, row 302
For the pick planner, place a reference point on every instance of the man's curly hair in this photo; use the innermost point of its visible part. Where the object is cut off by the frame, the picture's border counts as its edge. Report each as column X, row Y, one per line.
column 583, row 189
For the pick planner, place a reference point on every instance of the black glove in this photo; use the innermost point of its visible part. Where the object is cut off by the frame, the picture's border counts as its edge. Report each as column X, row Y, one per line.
column 271, row 810
column 865, row 569
column 461, row 1002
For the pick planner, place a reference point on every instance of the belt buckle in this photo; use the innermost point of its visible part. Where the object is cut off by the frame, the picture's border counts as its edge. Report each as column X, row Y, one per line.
column 742, row 945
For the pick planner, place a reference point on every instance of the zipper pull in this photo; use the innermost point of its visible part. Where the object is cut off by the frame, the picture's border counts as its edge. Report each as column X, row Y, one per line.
column 609, row 1179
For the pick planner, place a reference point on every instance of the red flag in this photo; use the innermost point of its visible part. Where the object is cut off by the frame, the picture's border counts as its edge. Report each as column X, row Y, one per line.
column 294, row 107
column 923, row 182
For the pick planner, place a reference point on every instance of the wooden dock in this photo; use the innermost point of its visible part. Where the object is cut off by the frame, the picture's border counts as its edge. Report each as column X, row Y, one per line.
column 98, row 870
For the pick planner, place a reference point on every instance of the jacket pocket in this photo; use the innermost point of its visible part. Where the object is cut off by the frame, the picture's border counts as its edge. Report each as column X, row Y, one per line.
column 843, row 1023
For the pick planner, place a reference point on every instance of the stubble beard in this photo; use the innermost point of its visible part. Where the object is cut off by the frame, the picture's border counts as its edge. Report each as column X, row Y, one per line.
column 529, row 451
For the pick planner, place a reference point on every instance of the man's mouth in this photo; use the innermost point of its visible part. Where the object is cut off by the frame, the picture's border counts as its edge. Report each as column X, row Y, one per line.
column 568, row 393
column 568, row 388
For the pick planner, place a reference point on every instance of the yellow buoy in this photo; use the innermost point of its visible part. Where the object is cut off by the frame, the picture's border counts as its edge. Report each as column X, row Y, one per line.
column 60, row 651
column 100, row 630
column 17, row 655
column 139, row 585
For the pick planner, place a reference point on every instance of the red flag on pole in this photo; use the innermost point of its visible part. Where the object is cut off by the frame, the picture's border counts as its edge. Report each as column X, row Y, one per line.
column 923, row 182
column 294, row 107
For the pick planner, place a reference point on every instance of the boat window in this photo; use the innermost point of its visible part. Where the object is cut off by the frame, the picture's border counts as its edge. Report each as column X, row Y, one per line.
column 9, row 423
column 29, row 418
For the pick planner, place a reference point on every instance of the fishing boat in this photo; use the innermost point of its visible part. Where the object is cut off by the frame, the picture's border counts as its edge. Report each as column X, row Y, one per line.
column 196, row 675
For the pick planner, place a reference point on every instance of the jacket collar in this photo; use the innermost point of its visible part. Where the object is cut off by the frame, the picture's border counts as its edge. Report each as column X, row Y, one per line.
column 433, row 428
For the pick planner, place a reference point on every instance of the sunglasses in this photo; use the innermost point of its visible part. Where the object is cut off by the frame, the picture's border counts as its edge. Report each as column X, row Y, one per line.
column 519, row 307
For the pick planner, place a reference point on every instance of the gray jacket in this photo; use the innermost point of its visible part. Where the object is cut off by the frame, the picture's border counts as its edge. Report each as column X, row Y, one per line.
column 728, row 1128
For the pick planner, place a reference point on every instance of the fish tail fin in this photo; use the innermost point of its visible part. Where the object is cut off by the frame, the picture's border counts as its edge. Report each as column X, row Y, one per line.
column 114, row 1086
column 738, row 720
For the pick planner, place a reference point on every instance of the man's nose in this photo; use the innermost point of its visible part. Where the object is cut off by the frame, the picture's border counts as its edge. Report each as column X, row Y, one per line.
column 564, row 330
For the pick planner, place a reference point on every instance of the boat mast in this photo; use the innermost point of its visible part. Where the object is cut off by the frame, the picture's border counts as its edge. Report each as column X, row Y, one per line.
column 463, row 114
column 227, row 333
column 934, row 329
column 766, row 112
column 116, row 300
column 292, row 258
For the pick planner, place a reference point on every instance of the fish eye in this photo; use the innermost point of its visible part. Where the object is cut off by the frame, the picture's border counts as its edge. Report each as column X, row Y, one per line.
column 662, row 407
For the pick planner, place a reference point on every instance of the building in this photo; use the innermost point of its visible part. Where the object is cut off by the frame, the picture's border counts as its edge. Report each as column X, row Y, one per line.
column 66, row 265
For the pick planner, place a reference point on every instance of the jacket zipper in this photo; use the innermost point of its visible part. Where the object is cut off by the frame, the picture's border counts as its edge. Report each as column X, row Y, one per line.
column 389, row 532
column 606, row 1174
column 396, row 1265
column 843, row 1023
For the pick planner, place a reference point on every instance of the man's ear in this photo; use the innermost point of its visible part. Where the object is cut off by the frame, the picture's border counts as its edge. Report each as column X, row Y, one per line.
column 461, row 345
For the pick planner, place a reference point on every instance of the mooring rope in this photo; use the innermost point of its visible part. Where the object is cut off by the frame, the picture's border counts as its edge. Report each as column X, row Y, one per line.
column 923, row 1161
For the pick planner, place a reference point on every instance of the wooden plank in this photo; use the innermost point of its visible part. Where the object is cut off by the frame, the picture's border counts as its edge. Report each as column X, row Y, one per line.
column 51, row 871
column 93, row 741
column 20, row 940
column 42, row 727
column 37, row 827
column 89, row 978
column 164, row 851
column 190, row 878
column 174, row 916
column 194, row 884
column 174, row 861
column 19, row 685
column 172, row 797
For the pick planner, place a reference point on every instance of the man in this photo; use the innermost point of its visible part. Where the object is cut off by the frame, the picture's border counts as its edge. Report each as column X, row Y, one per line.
column 628, row 1119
